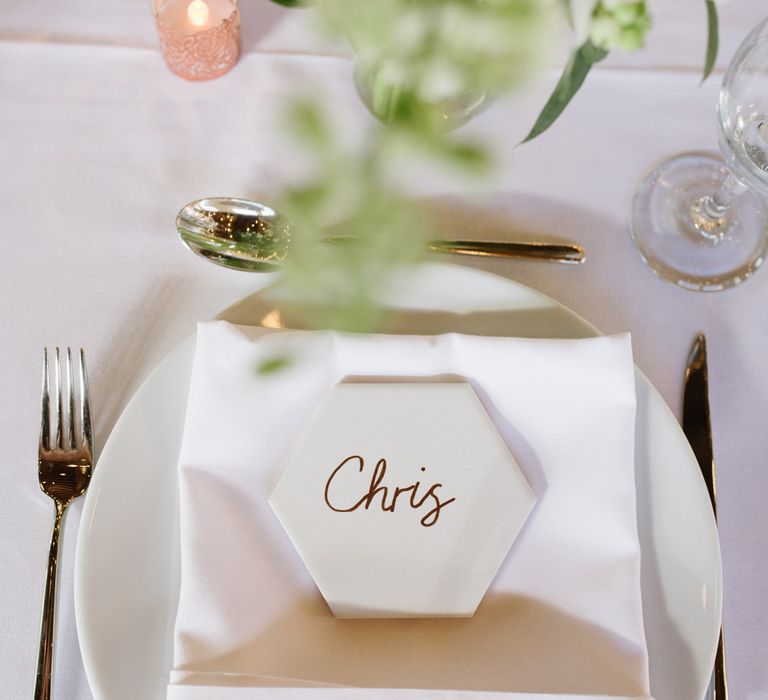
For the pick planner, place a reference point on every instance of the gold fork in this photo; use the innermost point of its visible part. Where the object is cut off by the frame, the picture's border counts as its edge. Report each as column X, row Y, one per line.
column 64, row 470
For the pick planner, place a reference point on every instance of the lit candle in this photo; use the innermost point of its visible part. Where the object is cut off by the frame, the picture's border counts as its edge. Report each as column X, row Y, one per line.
column 197, row 12
column 200, row 39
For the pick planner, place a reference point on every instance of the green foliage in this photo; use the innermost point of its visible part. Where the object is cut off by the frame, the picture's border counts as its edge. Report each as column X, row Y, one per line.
column 417, row 63
column 293, row 3
column 272, row 365
column 571, row 80
column 619, row 24
column 351, row 225
column 712, row 39
column 417, row 55
column 352, row 221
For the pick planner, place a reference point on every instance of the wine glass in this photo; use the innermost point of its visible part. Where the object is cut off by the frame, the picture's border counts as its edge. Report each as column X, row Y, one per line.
column 700, row 221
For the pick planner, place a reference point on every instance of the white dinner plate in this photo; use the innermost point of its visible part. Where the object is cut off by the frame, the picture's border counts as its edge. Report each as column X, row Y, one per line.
column 127, row 564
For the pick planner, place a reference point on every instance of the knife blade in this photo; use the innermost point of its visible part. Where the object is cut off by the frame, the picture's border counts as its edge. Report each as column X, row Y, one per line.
column 698, row 429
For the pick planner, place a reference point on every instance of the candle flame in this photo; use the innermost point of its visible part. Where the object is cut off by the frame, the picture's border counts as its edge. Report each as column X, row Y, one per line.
column 197, row 12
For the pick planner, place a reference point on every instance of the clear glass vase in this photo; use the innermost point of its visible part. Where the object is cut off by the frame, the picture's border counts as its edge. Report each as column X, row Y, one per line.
column 390, row 101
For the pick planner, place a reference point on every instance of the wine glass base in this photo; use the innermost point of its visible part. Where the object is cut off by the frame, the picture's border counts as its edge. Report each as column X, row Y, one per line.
column 670, row 243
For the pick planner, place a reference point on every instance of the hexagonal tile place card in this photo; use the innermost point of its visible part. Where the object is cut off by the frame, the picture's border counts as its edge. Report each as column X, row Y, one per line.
column 402, row 499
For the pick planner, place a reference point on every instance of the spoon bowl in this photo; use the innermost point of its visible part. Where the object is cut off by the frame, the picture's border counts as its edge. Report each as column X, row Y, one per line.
column 235, row 233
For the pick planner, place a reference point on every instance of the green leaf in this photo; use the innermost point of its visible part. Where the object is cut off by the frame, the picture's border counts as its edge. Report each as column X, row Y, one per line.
column 272, row 365
column 291, row 3
column 712, row 39
column 571, row 80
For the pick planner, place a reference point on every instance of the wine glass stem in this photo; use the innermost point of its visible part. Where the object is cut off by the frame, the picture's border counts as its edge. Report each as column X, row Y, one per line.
column 711, row 214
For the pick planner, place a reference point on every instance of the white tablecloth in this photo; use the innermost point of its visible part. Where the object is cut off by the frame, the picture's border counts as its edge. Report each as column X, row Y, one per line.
column 100, row 145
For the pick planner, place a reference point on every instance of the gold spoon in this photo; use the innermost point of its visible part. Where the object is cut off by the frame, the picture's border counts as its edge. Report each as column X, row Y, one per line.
column 246, row 235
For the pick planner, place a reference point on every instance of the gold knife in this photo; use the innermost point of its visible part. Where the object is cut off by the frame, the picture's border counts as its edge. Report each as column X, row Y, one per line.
column 698, row 429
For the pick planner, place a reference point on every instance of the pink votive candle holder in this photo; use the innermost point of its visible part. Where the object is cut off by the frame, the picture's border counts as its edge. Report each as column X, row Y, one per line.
column 200, row 39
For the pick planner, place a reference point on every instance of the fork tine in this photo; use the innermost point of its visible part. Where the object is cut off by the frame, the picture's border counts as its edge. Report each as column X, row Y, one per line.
column 45, row 420
column 85, row 405
column 59, row 412
column 71, row 407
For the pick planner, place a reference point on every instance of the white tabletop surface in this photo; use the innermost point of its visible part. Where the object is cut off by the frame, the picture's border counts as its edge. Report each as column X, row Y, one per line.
column 100, row 145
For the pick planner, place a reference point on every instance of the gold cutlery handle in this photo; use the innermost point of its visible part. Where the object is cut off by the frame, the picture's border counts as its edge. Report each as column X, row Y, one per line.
column 568, row 253
column 47, row 628
column 719, row 683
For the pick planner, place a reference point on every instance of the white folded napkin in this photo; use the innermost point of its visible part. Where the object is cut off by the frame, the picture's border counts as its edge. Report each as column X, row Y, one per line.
column 563, row 616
